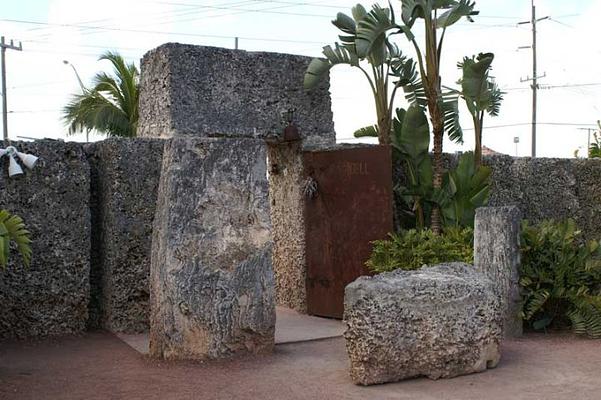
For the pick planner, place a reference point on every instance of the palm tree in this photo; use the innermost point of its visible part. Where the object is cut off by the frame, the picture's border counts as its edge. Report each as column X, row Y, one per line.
column 380, row 61
column 481, row 94
column 111, row 106
column 426, row 91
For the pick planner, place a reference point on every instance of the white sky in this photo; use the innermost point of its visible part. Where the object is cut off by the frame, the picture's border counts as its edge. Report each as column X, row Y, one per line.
column 39, row 83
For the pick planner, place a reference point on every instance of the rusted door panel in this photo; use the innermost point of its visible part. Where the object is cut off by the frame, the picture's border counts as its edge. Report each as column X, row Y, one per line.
column 352, row 208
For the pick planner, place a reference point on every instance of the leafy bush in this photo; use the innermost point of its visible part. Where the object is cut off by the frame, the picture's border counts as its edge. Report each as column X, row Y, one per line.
column 560, row 278
column 411, row 249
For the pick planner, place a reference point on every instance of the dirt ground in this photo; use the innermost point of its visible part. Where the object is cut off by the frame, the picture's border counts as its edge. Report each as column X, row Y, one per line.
column 100, row 366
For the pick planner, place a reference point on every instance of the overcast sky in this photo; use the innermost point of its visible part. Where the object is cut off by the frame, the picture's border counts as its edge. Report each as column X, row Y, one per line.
column 39, row 83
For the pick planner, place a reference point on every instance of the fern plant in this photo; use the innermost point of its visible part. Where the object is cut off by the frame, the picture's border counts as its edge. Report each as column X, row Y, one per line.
column 12, row 228
column 560, row 278
column 412, row 249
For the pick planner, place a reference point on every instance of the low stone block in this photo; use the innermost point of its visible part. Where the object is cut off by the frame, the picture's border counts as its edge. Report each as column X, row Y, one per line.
column 439, row 322
column 211, row 277
column 497, row 255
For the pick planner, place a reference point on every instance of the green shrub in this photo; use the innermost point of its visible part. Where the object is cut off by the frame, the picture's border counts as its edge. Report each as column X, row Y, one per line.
column 560, row 278
column 411, row 249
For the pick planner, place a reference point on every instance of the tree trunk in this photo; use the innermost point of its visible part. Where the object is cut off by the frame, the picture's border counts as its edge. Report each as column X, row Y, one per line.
column 384, row 129
column 478, row 146
column 438, row 169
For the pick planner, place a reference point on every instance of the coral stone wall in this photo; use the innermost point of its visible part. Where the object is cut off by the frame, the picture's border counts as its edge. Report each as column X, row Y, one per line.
column 549, row 188
column 51, row 296
column 546, row 188
column 288, row 224
column 125, row 180
column 209, row 91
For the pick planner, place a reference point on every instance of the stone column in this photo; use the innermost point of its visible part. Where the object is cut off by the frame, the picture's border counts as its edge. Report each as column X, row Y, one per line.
column 288, row 224
column 211, row 279
column 497, row 255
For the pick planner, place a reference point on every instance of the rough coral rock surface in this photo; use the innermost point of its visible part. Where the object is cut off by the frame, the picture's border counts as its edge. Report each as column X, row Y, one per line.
column 212, row 284
column 287, row 207
column 439, row 322
column 211, row 91
column 51, row 296
column 545, row 188
column 497, row 255
column 125, row 179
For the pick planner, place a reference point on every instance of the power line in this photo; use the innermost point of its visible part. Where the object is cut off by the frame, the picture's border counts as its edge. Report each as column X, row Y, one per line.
column 506, row 126
column 147, row 31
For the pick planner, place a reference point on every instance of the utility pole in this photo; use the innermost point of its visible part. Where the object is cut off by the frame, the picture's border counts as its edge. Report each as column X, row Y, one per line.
column 6, row 46
column 535, row 77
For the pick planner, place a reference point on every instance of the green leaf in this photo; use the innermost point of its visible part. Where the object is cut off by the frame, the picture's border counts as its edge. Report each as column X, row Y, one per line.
column 12, row 228
column 345, row 23
column 371, row 31
column 458, row 10
column 368, row 131
column 319, row 67
column 315, row 72
column 359, row 13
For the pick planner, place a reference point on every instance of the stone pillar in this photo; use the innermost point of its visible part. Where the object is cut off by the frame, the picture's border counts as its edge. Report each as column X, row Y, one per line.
column 125, row 178
column 210, row 91
column 211, row 280
column 497, row 255
column 288, row 224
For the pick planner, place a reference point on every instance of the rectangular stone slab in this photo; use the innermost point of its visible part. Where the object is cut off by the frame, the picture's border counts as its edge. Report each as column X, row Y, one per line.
column 211, row 283
column 210, row 91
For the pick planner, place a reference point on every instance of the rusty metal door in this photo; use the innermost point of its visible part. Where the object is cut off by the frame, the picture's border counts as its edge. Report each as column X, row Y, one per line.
column 351, row 207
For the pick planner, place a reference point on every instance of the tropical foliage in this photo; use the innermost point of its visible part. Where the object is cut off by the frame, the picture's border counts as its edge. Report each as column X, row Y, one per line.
column 442, row 106
column 111, row 105
column 560, row 278
column 423, row 88
column 594, row 150
column 481, row 94
column 412, row 249
column 380, row 61
column 466, row 188
column 12, row 229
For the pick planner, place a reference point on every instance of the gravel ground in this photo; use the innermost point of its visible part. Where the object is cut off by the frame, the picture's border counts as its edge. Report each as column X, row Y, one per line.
column 100, row 366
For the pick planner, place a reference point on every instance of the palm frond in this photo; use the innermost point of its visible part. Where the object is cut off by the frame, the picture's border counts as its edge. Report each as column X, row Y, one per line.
column 12, row 228
column 333, row 56
column 366, row 131
column 449, row 106
column 371, row 32
column 111, row 106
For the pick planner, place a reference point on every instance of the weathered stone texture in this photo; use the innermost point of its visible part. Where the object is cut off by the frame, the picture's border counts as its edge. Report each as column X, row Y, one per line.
column 51, row 296
column 212, row 285
column 439, row 322
column 210, row 91
column 125, row 180
column 546, row 188
column 497, row 255
column 288, row 224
